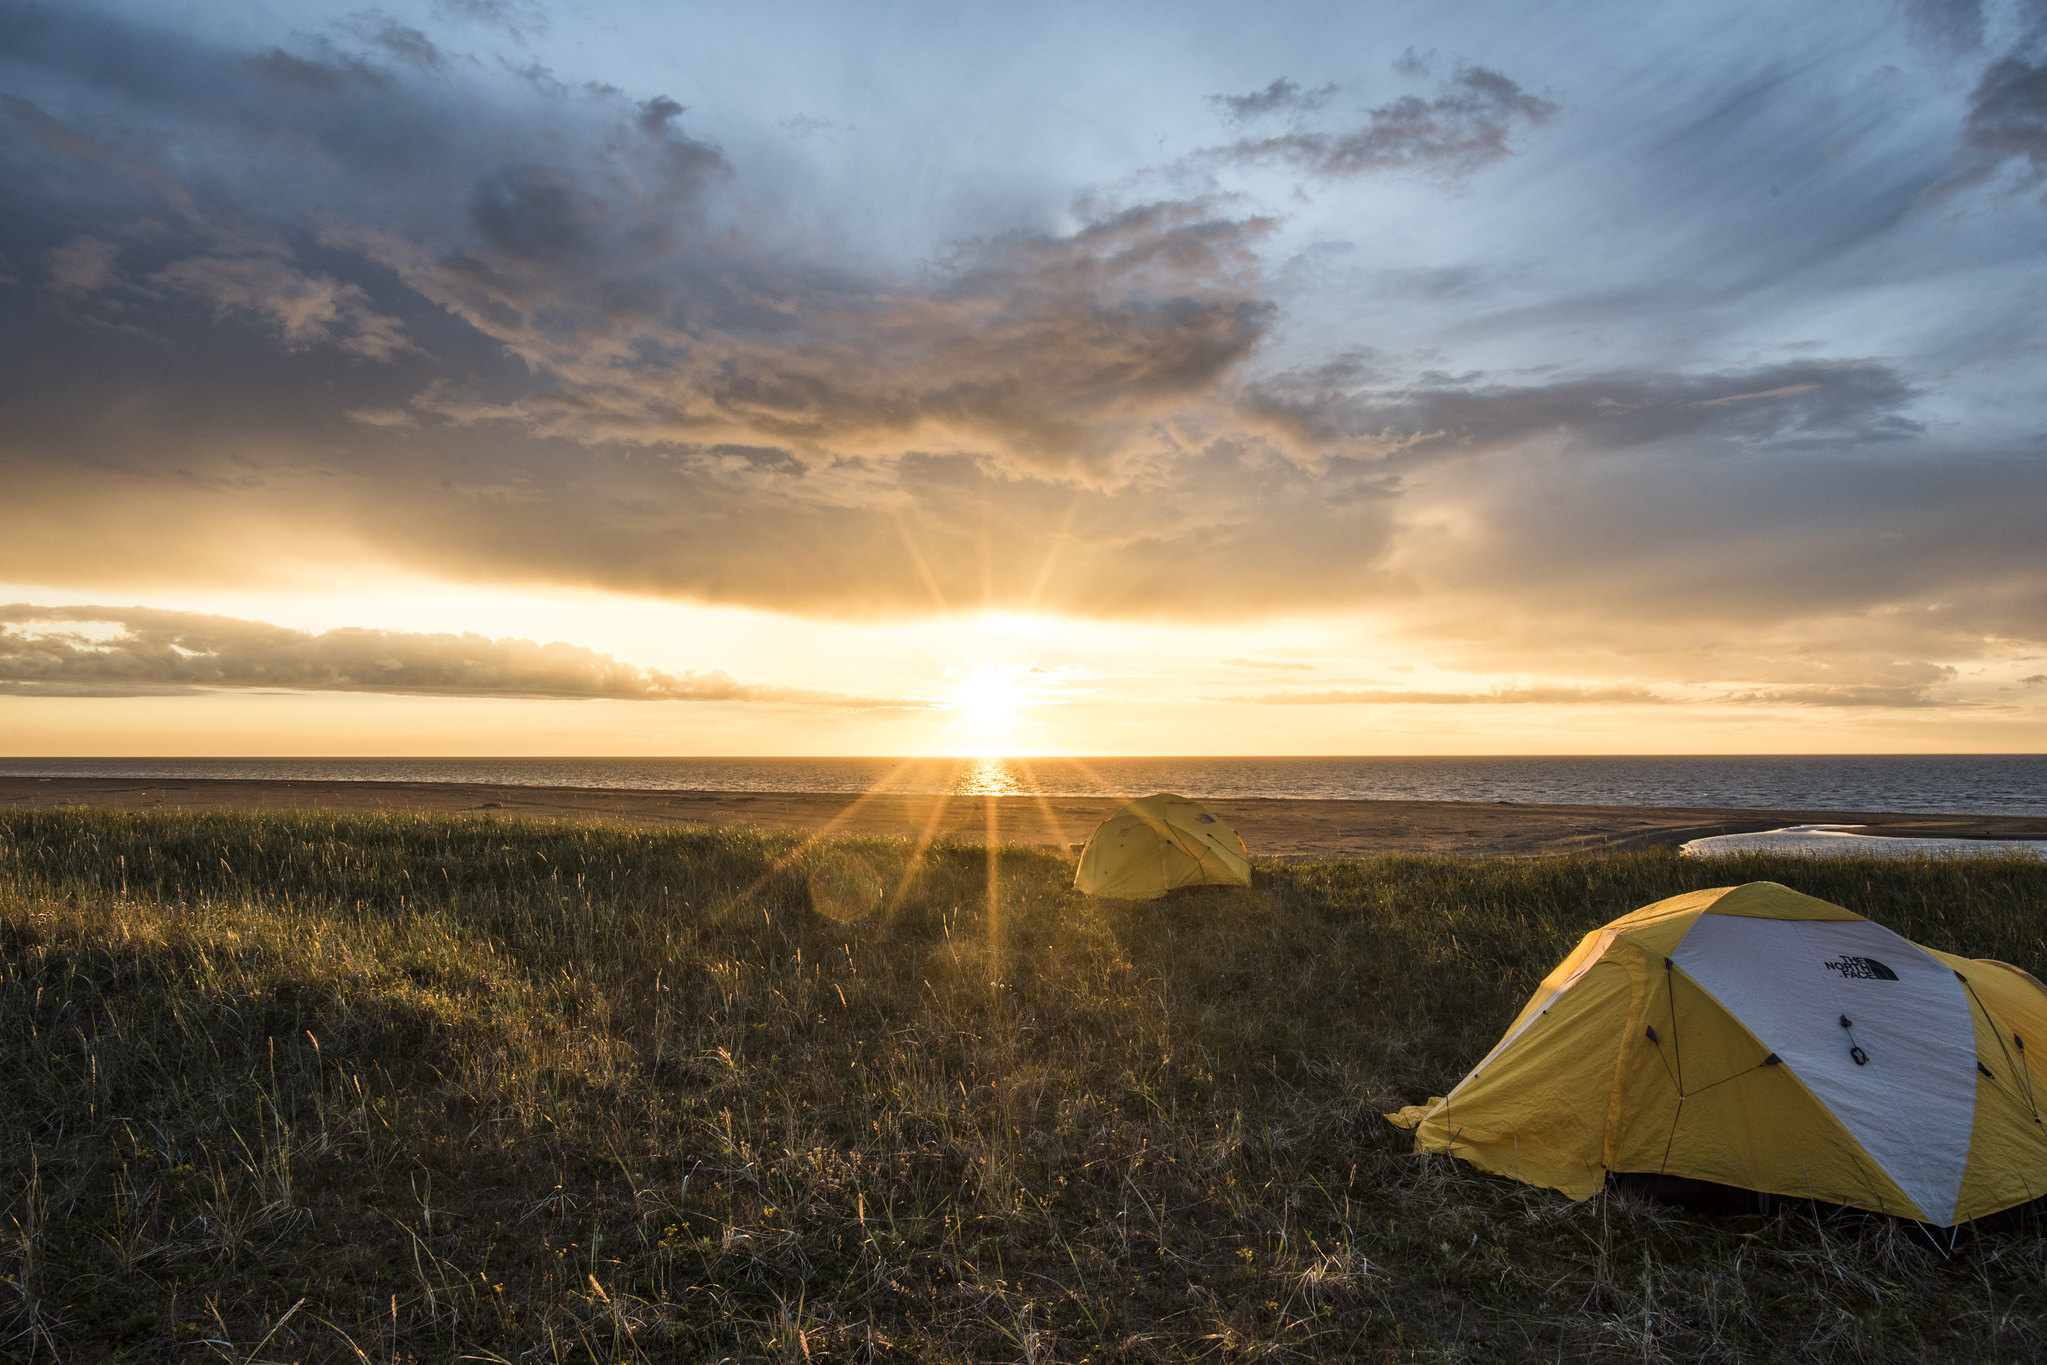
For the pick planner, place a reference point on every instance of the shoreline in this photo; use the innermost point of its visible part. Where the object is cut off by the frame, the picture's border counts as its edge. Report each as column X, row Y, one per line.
column 1272, row 827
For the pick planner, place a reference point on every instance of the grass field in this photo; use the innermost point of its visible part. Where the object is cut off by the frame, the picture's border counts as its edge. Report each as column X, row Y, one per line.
column 385, row 1088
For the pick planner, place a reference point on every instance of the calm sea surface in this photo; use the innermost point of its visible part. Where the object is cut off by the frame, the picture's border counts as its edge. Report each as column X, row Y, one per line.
column 1997, row 784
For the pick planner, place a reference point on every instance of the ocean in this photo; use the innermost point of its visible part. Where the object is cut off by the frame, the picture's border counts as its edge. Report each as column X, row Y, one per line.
column 2013, row 784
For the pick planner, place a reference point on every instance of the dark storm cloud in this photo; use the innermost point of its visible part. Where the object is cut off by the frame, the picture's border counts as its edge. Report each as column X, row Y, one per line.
column 1464, row 128
column 1344, row 405
column 54, row 651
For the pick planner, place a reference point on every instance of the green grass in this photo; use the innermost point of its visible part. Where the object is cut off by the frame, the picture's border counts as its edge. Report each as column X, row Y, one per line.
column 389, row 1088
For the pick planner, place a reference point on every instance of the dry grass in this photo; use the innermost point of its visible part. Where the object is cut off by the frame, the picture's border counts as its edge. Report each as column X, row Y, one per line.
column 389, row 1088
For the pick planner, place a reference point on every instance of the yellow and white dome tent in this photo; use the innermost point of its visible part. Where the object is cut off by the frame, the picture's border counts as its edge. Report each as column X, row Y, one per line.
column 1756, row 1037
column 1157, row 844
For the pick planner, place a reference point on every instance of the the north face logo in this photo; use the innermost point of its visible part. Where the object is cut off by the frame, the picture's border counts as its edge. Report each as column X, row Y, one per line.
column 1861, row 969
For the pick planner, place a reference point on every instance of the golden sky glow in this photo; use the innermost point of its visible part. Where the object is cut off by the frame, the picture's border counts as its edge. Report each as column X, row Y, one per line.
column 979, row 683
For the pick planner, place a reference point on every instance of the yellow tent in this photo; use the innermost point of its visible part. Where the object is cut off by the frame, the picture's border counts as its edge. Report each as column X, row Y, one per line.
column 1158, row 843
column 1756, row 1037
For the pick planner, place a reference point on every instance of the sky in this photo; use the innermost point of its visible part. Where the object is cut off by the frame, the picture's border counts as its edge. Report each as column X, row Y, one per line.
column 500, row 377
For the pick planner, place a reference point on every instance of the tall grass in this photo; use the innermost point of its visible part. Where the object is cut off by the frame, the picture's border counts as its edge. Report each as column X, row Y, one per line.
column 417, row 1088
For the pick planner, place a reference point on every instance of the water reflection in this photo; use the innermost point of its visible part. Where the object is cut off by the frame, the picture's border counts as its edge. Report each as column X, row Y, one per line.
column 986, row 776
column 991, row 777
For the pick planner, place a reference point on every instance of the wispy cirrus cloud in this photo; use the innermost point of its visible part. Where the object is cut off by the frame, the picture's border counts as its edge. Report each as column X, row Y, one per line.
column 1460, row 130
column 1271, row 665
column 1283, row 96
column 1344, row 404
column 1877, row 694
column 1499, row 696
column 1950, row 25
column 1906, row 685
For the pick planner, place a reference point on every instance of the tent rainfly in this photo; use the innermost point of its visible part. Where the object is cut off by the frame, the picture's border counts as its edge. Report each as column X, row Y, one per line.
column 1157, row 844
column 1756, row 1037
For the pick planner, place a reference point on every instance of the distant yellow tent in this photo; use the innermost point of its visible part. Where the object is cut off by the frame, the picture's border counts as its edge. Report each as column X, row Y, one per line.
column 1159, row 843
column 1755, row 1037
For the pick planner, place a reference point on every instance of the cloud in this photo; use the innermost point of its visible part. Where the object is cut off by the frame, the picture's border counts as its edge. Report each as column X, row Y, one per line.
column 305, row 76
column 59, row 139
column 1894, row 691
column 1953, row 26
column 1847, row 697
column 519, row 18
column 2007, row 120
column 2036, row 680
column 302, row 309
column 1460, row 131
column 1283, row 96
column 394, row 41
column 1342, row 405
column 1275, row 665
column 1042, row 352
column 1499, row 696
column 1890, row 685
column 82, row 267
column 815, row 125
column 57, row 651
column 407, row 44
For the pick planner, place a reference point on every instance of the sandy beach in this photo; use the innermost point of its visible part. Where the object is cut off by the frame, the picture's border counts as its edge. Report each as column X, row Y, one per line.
column 1271, row 828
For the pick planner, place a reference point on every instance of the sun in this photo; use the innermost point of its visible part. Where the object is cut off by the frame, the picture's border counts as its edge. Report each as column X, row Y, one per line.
column 989, row 702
